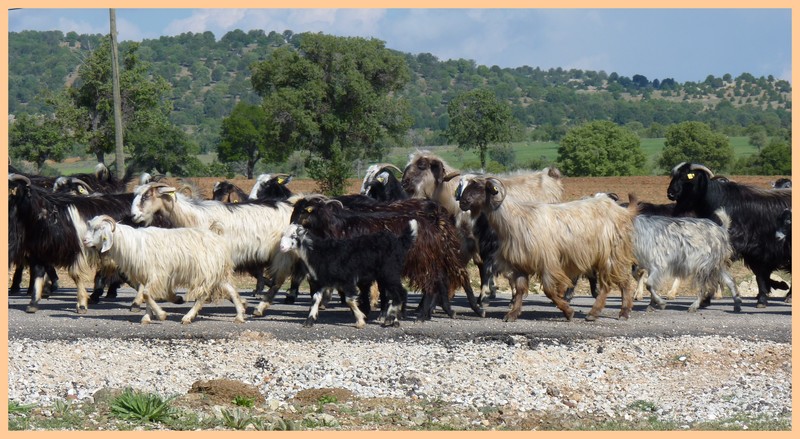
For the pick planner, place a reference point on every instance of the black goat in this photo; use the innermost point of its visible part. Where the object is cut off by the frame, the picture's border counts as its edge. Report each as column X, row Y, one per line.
column 341, row 263
column 53, row 225
column 435, row 264
column 784, row 236
column 228, row 192
column 381, row 184
column 102, row 180
column 782, row 183
column 271, row 187
column 753, row 212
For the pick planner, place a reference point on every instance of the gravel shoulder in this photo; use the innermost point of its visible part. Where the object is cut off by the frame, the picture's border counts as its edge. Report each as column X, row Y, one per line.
column 668, row 366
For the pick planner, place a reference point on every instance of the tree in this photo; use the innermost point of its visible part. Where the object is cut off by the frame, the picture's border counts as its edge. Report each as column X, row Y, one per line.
column 478, row 118
column 335, row 96
column 144, row 98
column 600, row 149
column 163, row 148
column 757, row 135
column 37, row 139
column 695, row 142
column 243, row 138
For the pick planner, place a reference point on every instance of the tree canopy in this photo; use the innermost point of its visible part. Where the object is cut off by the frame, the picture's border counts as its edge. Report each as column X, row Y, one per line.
column 243, row 138
column 37, row 139
column 335, row 96
column 478, row 118
column 600, row 149
column 695, row 142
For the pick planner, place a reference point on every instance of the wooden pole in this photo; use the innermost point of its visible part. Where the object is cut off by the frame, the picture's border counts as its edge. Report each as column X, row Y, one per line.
column 120, row 154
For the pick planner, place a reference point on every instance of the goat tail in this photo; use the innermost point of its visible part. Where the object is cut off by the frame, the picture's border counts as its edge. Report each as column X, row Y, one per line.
column 724, row 218
column 633, row 204
column 410, row 234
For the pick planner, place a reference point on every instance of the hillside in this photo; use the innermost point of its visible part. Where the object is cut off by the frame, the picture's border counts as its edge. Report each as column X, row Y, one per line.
column 208, row 76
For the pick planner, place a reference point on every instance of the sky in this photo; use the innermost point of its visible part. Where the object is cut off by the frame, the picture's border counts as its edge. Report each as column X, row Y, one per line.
column 682, row 44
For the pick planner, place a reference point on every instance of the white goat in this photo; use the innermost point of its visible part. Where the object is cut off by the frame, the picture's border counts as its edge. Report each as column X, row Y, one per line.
column 159, row 260
column 252, row 229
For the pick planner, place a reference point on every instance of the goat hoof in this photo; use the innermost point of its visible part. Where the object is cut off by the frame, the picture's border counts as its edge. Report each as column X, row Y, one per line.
column 13, row 291
column 238, row 319
column 111, row 295
column 163, row 317
column 737, row 308
column 289, row 299
column 82, row 310
column 309, row 322
column 185, row 321
column 145, row 320
column 590, row 318
column 135, row 307
column 788, row 299
column 624, row 315
column 692, row 309
column 761, row 305
column 510, row 318
column 94, row 299
column 31, row 309
column 569, row 314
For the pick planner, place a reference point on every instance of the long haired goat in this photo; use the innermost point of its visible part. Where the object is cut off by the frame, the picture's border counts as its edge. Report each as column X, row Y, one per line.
column 159, row 260
column 753, row 213
column 557, row 243
column 342, row 263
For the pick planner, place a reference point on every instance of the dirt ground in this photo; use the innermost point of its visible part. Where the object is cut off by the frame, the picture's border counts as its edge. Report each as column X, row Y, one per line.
column 646, row 188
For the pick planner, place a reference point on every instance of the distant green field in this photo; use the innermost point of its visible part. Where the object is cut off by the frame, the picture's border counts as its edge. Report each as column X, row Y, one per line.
column 525, row 153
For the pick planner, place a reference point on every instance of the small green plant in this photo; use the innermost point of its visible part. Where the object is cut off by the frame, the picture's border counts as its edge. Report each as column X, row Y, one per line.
column 236, row 419
column 645, row 406
column 61, row 408
column 15, row 408
column 140, row 406
column 243, row 401
column 328, row 399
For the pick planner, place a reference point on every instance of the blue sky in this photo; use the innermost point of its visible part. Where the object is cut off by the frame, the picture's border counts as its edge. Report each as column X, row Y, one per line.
column 683, row 44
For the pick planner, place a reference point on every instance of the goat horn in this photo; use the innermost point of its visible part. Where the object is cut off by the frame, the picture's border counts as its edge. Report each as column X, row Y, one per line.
column 696, row 167
column 81, row 182
column 335, row 202
column 451, row 176
column 109, row 220
column 15, row 177
column 391, row 166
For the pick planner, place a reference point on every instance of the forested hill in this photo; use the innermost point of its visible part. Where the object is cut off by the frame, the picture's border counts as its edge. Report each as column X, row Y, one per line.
column 208, row 76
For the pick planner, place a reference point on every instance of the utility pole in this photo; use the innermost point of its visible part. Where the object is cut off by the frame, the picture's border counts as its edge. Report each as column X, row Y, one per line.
column 120, row 155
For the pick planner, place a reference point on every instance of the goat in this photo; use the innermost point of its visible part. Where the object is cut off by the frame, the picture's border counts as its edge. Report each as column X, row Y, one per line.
column 253, row 229
column 227, row 192
column 782, row 183
column 428, row 176
column 557, row 243
column 53, row 225
column 159, row 260
column 753, row 213
column 784, row 237
column 381, row 184
column 342, row 263
column 271, row 187
column 433, row 266
column 102, row 180
column 682, row 248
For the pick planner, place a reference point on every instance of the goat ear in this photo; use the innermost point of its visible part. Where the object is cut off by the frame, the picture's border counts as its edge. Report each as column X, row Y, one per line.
column 437, row 169
column 106, row 236
column 495, row 192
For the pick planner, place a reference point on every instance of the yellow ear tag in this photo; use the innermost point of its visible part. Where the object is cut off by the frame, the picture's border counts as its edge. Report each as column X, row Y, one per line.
column 309, row 209
column 235, row 201
column 172, row 194
column 495, row 189
column 280, row 180
column 690, row 176
column 381, row 179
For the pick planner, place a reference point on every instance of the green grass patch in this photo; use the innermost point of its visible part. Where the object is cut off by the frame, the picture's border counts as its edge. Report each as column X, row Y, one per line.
column 139, row 406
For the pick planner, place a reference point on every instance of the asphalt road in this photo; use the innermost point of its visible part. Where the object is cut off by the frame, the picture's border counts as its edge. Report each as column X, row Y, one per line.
column 540, row 319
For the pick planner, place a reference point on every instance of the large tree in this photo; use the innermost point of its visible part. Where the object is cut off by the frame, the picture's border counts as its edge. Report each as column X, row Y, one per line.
column 695, row 142
column 37, row 139
column 145, row 98
column 335, row 96
column 600, row 149
column 243, row 138
column 478, row 118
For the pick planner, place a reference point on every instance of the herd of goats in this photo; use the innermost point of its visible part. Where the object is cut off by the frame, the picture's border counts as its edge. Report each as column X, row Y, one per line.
column 417, row 228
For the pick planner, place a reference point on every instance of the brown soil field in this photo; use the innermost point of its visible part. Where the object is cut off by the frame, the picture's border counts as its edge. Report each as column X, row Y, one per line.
column 647, row 188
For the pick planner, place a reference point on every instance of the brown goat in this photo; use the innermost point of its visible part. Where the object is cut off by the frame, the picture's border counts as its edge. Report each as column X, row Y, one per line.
column 557, row 243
